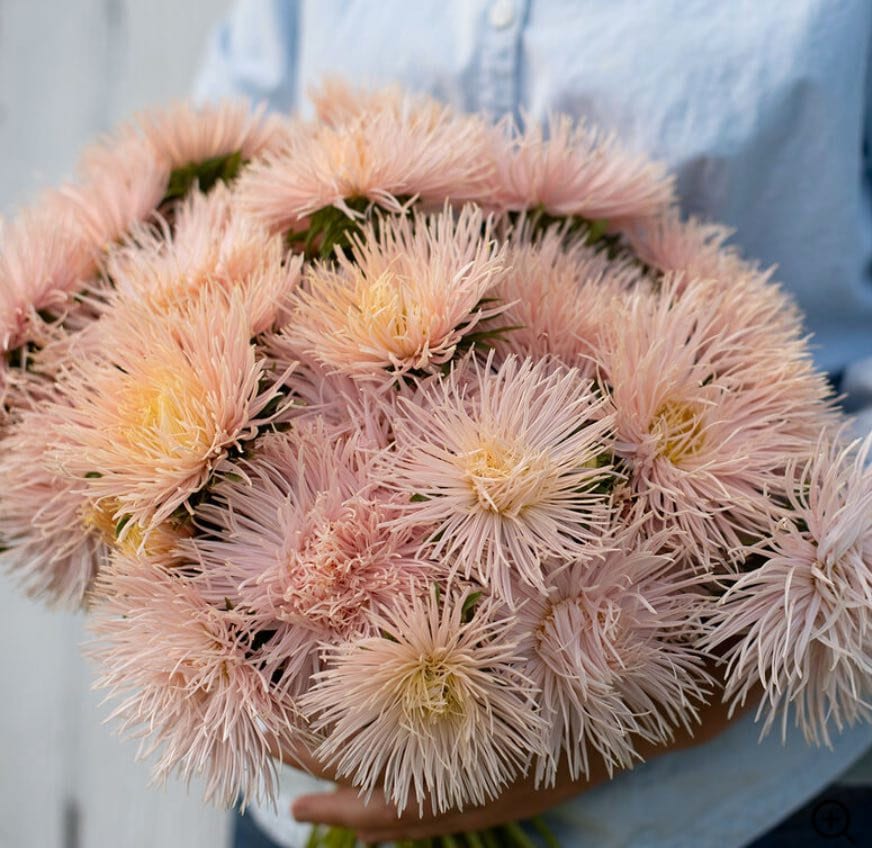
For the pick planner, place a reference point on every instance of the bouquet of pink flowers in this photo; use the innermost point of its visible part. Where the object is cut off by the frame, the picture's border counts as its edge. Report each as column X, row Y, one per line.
column 448, row 451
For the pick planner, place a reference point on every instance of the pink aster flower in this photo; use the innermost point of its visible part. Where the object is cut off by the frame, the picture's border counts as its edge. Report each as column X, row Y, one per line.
column 754, row 346
column 507, row 465
column 405, row 300
column 122, row 184
column 211, row 246
column 568, row 169
column 768, row 358
column 704, row 445
column 125, row 177
column 557, row 297
column 696, row 249
column 799, row 625
column 55, row 538
column 185, row 134
column 401, row 148
column 606, row 645
column 298, row 536
column 696, row 259
column 170, row 396
column 185, row 679
column 337, row 103
column 49, row 542
column 432, row 706
column 44, row 259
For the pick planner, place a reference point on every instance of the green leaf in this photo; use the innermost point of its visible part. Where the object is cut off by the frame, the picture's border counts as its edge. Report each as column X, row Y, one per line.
column 491, row 838
column 469, row 604
column 544, row 831
column 330, row 228
column 517, row 837
column 418, row 498
column 122, row 523
column 93, row 475
column 205, row 175
column 486, row 336
column 596, row 229
column 314, row 840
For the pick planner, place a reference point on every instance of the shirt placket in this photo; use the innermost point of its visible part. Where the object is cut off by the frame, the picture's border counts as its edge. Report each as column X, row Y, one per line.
column 500, row 56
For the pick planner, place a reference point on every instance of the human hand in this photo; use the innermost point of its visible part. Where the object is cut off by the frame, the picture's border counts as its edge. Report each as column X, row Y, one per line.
column 377, row 820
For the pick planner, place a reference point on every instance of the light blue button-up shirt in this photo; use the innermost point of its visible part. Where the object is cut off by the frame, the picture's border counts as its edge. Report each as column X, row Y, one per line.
column 760, row 107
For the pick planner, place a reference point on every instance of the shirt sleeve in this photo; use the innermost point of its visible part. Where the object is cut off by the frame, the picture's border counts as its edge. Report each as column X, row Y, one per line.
column 253, row 53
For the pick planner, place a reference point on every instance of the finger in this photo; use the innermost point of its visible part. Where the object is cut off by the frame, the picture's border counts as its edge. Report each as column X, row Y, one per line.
column 520, row 801
column 412, row 827
column 345, row 808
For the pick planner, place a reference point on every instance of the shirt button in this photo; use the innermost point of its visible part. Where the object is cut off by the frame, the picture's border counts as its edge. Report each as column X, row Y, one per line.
column 502, row 14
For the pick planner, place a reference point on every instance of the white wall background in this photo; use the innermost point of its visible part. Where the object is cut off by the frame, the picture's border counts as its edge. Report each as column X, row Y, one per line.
column 70, row 69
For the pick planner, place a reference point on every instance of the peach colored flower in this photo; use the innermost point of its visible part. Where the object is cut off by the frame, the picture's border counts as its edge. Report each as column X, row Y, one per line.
column 558, row 296
column 48, row 544
column 348, row 408
column 696, row 249
column 183, row 133
column 338, row 104
column 121, row 186
column 168, row 399
column 506, row 465
column 297, row 536
column 184, row 678
column 44, row 259
column 125, row 176
column 404, row 302
column 575, row 169
column 705, row 445
column 607, row 646
column 211, row 246
column 398, row 149
column 433, row 706
column 799, row 624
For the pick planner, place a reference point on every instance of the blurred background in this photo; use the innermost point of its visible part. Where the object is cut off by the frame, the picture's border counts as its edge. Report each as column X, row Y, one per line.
column 69, row 70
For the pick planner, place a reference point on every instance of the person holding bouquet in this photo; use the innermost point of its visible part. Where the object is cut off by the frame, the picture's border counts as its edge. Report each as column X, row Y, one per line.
column 762, row 111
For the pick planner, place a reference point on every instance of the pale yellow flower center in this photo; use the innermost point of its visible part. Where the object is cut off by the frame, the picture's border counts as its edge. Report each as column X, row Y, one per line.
column 431, row 688
column 505, row 478
column 382, row 301
column 383, row 313
column 101, row 518
column 157, row 413
column 678, row 428
column 183, row 290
